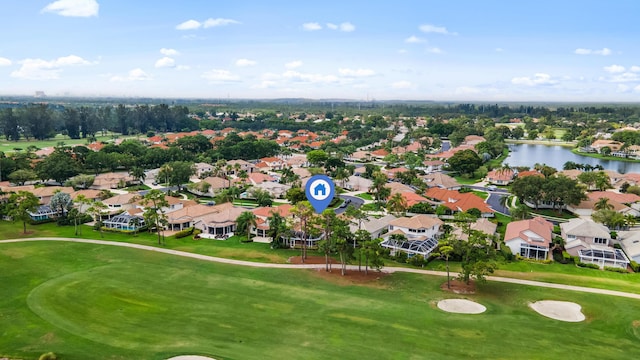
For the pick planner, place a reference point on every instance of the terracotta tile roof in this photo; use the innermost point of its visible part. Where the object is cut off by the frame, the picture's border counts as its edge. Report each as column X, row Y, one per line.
column 412, row 198
column 50, row 190
column 259, row 178
column 614, row 196
column 284, row 210
column 530, row 173
column 533, row 231
column 457, row 201
column 500, row 175
column 421, row 221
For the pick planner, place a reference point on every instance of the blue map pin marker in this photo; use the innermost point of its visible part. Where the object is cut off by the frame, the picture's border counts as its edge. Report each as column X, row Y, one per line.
column 320, row 191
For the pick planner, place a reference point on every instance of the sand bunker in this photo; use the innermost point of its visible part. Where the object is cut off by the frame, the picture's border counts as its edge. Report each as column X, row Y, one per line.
column 461, row 306
column 190, row 357
column 559, row 310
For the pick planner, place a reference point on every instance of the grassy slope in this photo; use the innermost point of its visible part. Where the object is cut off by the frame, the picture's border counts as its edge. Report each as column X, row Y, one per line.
column 95, row 302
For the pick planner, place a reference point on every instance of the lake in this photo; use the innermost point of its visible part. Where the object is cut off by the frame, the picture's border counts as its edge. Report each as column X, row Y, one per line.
column 556, row 156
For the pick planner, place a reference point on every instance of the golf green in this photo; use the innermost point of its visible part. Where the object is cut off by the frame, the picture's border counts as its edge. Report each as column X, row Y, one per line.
column 85, row 301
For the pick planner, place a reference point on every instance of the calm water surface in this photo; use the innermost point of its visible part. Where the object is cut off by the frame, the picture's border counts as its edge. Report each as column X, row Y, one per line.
column 556, row 156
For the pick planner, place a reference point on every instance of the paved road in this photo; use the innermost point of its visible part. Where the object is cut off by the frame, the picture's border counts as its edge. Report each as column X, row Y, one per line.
column 353, row 200
column 320, row 266
column 494, row 198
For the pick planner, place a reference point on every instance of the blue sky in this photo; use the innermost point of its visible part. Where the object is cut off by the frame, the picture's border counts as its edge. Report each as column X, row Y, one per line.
column 407, row 50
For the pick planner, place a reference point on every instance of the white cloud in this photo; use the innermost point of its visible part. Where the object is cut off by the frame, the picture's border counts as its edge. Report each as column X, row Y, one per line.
column 583, row 51
column 309, row 78
column 634, row 68
column 219, row 22
column 311, row 26
column 435, row 50
column 332, row 26
column 537, row 79
column 402, row 85
column 625, row 77
column 210, row 22
column 637, row 88
column 245, row 62
column 428, row 28
column 165, row 62
column 136, row 74
column 614, row 69
column 4, row 61
column 169, row 52
column 414, row 40
column 219, row 76
column 347, row 27
column 293, row 64
column 183, row 67
column 621, row 88
column 39, row 69
column 356, row 72
column 189, row 25
column 75, row 8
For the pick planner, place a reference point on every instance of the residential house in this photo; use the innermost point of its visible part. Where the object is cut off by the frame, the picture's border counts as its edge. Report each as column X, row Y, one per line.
column 377, row 227
column 273, row 163
column 430, row 166
column 630, row 243
column 482, row 225
column 42, row 213
column 258, row 178
column 591, row 241
column 112, row 180
column 120, row 203
column 598, row 145
column 221, row 223
column 500, row 176
column 443, row 181
column 217, row 184
column 530, row 238
column 125, row 222
column 203, row 169
column 275, row 189
column 187, row 216
column 397, row 187
column 263, row 214
column 457, row 201
column 243, row 165
column 44, row 194
column 392, row 172
column 420, row 234
column 358, row 183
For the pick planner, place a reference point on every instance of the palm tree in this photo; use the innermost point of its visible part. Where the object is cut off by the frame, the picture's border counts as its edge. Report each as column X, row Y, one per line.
column 397, row 204
column 245, row 221
column 378, row 186
column 137, row 173
column 303, row 211
column 277, row 228
column 520, row 212
column 630, row 220
column 444, row 251
column 603, row 204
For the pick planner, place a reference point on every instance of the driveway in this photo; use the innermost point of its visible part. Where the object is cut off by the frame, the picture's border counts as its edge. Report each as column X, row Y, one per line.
column 353, row 200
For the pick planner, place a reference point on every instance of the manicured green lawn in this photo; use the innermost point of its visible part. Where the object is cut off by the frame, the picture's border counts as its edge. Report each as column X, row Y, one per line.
column 86, row 301
column 481, row 194
column 230, row 248
column 9, row 146
column 553, row 213
column 365, row 196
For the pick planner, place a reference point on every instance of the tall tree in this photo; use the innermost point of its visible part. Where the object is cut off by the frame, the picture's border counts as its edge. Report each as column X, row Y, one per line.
column 379, row 188
column 96, row 210
column 397, row 204
column 478, row 256
column 444, row 251
column 155, row 203
column 245, row 222
column 22, row 203
column 59, row 166
column 304, row 213
column 61, row 202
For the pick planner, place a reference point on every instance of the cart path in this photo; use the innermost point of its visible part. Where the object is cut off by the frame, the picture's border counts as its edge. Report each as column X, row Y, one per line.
column 320, row 266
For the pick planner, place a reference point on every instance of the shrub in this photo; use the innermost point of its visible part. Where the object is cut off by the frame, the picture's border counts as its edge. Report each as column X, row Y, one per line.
column 416, row 260
column 48, row 356
column 616, row 269
column 634, row 266
column 588, row 265
column 400, row 256
column 506, row 253
column 184, row 233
